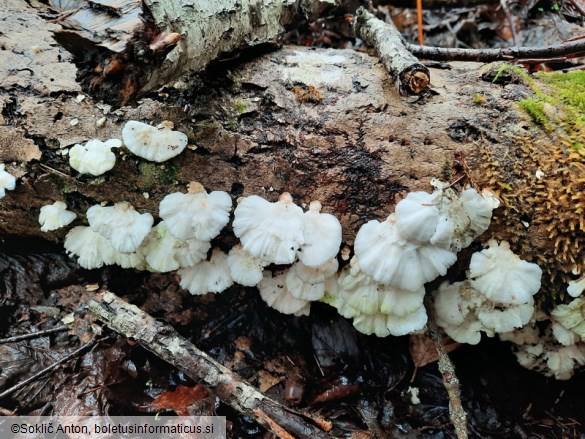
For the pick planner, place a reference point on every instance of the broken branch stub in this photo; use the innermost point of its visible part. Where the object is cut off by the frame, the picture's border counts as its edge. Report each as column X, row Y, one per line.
column 166, row 343
column 413, row 76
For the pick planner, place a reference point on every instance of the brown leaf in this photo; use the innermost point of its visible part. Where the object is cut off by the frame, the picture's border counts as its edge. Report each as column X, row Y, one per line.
column 180, row 399
column 423, row 351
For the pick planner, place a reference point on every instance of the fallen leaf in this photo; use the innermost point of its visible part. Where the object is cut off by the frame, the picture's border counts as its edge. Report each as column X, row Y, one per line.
column 180, row 399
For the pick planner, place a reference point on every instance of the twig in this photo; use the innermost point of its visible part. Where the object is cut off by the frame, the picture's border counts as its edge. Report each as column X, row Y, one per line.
column 33, row 335
column 49, row 368
column 166, row 343
column 450, row 381
column 574, row 48
column 413, row 76
column 438, row 4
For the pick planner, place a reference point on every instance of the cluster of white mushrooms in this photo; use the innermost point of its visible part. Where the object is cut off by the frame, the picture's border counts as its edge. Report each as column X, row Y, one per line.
column 290, row 255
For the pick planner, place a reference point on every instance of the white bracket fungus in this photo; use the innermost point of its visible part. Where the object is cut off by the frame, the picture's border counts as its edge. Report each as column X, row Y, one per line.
column 211, row 276
column 156, row 144
column 95, row 157
column 55, row 216
column 502, row 276
column 274, row 292
column 322, row 236
column 91, row 248
column 123, row 226
column 308, row 283
column 245, row 269
column 196, row 214
column 270, row 231
column 391, row 260
column 164, row 252
column 7, row 181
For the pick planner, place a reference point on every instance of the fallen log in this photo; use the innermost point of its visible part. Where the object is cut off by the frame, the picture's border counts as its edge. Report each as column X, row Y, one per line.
column 163, row 341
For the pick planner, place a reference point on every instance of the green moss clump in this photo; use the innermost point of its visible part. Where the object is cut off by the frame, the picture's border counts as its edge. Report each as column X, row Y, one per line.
column 240, row 106
column 153, row 175
column 479, row 99
column 535, row 110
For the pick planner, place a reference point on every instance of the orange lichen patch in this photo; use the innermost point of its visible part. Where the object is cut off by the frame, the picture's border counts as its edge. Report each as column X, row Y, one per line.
column 308, row 94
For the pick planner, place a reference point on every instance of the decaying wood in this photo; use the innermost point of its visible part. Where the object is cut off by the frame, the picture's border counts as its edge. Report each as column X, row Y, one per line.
column 413, row 77
column 119, row 60
column 166, row 343
column 567, row 49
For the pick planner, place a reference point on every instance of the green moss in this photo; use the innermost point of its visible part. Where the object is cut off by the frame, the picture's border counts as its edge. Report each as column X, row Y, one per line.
column 535, row 109
column 153, row 175
column 479, row 99
column 518, row 73
column 68, row 186
column 240, row 106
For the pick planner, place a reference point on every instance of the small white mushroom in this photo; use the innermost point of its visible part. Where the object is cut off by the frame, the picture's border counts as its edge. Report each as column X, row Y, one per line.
column 274, row 292
column 270, row 231
column 7, row 181
column 322, row 236
column 372, row 324
column 165, row 253
column 95, row 157
column 391, row 260
column 308, row 283
column 196, row 214
column 54, row 216
column 211, row 276
column 407, row 324
column 245, row 269
column 123, row 226
column 502, row 276
column 156, row 144
column 91, row 248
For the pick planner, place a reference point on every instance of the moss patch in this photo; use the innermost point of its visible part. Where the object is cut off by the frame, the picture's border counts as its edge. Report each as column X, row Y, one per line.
column 153, row 175
column 540, row 179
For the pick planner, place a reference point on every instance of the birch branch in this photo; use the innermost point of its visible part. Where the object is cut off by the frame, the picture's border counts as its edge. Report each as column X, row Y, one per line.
column 166, row 343
column 413, row 77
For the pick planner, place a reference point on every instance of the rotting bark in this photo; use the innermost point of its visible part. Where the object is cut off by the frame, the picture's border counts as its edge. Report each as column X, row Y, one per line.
column 413, row 77
column 114, row 40
column 166, row 343
column 320, row 124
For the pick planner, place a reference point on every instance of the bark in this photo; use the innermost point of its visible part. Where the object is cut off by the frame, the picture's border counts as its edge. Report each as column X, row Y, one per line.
column 320, row 124
column 116, row 45
column 166, row 343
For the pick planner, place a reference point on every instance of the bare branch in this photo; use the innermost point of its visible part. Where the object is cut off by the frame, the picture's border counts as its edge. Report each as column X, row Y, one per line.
column 571, row 48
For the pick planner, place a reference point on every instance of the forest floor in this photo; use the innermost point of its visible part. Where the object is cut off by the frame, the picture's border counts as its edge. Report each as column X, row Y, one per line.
column 367, row 386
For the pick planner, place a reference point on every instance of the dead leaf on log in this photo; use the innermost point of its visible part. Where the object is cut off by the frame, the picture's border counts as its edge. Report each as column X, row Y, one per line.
column 423, row 351
column 180, row 399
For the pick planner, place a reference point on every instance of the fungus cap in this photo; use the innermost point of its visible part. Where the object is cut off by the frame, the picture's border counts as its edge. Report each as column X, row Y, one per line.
column 156, row 144
column 400, row 302
column 505, row 318
column 417, row 216
column 408, row 323
column 389, row 259
column 245, row 269
column 308, row 283
column 322, row 236
column 54, row 216
column 502, row 276
column 91, row 248
column 211, row 276
column 7, row 181
column 372, row 324
column 274, row 292
column 270, row 231
column 196, row 214
column 123, row 226
column 165, row 253
column 95, row 157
